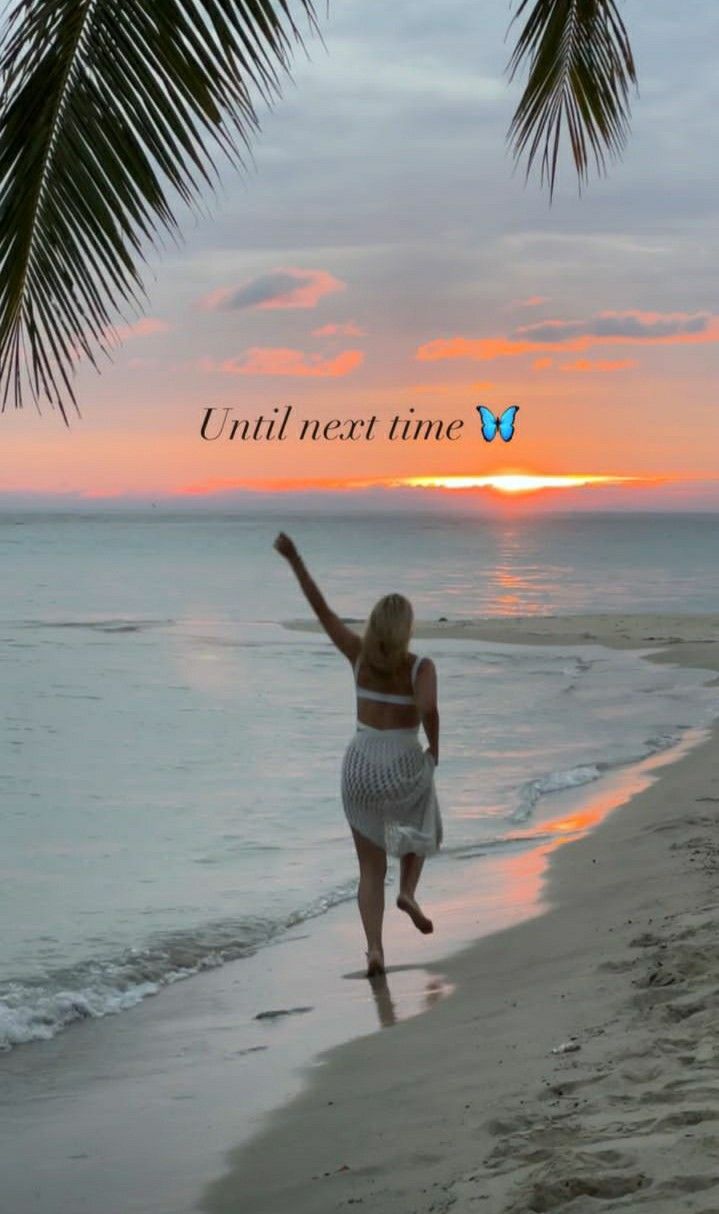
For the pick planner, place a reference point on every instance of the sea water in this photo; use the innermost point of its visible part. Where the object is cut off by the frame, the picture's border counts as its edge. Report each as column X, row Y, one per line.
column 170, row 752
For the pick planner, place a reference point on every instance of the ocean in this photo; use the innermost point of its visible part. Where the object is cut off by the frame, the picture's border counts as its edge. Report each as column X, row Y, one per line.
column 170, row 751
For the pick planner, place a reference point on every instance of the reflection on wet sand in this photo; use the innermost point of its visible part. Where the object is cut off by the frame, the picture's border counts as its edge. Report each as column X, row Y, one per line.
column 523, row 874
column 383, row 998
column 435, row 989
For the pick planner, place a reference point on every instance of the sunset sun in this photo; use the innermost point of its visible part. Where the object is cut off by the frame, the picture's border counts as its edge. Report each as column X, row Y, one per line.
column 510, row 482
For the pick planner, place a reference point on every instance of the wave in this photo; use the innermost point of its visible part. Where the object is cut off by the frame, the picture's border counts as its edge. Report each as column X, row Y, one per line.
column 111, row 624
column 585, row 773
column 38, row 1009
column 499, row 843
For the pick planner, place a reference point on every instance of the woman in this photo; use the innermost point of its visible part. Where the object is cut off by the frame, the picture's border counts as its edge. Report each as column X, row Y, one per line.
column 388, row 788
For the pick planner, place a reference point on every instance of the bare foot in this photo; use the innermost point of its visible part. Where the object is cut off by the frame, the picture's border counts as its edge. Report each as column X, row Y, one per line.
column 375, row 962
column 407, row 904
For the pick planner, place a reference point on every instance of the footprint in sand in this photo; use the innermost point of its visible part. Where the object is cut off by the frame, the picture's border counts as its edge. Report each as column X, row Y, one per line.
column 554, row 1193
column 677, row 1121
column 678, row 1012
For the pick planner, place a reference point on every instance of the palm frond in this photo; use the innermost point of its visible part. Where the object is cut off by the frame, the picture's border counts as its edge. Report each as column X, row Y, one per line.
column 100, row 100
column 580, row 69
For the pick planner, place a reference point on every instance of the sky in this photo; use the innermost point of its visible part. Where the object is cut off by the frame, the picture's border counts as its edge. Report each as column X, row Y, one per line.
column 382, row 255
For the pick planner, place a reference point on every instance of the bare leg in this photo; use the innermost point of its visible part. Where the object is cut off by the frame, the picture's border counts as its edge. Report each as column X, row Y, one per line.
column 410, row 869
column 370, row 898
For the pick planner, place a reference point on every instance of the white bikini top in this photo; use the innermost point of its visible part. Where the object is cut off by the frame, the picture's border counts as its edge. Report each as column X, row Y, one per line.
column 364, row 693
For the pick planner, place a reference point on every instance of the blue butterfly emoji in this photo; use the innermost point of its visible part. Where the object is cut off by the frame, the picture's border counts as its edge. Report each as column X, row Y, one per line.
column 491, row 424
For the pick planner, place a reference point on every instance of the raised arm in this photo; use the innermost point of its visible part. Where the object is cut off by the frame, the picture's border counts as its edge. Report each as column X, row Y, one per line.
column 348, row 642
column 425, row 693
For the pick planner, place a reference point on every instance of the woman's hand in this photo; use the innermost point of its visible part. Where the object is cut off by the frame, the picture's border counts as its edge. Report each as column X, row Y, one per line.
column 285, row 546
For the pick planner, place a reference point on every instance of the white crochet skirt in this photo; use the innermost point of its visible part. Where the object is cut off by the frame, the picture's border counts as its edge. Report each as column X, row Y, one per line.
column 388, row 791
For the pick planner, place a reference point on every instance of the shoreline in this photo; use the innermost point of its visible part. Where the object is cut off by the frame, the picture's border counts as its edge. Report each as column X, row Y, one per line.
column 578, row 1059
column 186, row 1050
column 669, row 633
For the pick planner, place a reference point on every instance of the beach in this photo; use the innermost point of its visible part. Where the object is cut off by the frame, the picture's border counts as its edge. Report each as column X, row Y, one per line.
column 566, row 1061
column 576, row 1065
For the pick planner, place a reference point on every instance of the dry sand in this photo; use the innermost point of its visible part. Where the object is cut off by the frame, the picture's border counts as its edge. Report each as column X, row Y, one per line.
column 576, row 1066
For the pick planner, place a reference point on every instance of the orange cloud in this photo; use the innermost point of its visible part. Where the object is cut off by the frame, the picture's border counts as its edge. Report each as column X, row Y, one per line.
column 348, row 329
column 532, row 301
column 586, row 364
column 280, row 361
column 268, row 485
column 146, row 327
column 289, row 287
column 608, row 328
column 203, row 364
column 541, row 364
column 445, row 388
column 143, row 364
column 478, row 348
column 143, row 328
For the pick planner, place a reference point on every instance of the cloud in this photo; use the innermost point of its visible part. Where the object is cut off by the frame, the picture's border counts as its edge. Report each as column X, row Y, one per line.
column 586, row 364
column 348, row 329
column 148, row 326
column 220, row 484
column 541, row 364
column 465, row 347
column 284, row 288
column 554, row 246
column 532, row 301
column 446, row 388
column 607, row 328
column 260, row 360
column 143, row 364
column 637, row 326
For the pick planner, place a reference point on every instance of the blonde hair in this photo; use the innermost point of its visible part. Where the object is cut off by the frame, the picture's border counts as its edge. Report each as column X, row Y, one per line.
column 386, row 636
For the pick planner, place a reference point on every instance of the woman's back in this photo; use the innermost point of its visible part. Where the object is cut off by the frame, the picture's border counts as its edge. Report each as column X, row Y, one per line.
column 387, row 703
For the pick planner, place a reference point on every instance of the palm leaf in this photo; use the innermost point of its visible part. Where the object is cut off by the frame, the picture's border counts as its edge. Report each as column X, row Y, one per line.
column 103, row 103
column 580, row 68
